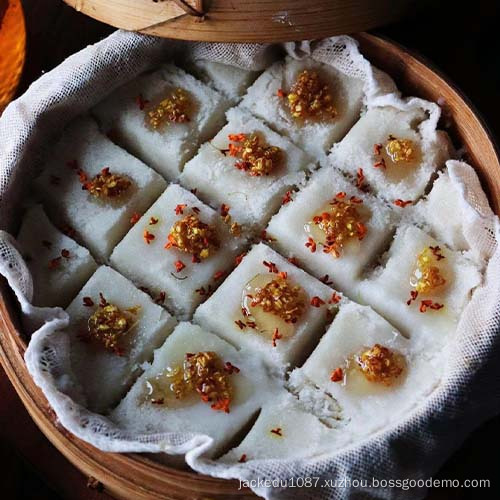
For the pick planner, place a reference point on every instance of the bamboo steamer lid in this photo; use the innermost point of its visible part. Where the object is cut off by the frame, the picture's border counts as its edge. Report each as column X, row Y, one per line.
column 244, row 21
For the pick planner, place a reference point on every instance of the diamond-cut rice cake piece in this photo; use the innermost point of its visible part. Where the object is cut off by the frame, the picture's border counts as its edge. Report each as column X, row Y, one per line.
column 268, row 98
column 181, row 275
column 445, row 210
column 269, row 305
column 360, row 227
column 59, row 266
column 152, row 120
column 98, row 216
column 252, row 198
column 114, row 328
column 160, row 402
column 422, row 287
column 230, row 81
column 396, row 158
column 375, row 374
column 285, row 430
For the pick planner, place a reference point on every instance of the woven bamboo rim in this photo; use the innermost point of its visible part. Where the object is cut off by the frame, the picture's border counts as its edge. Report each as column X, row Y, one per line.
column 244, row 21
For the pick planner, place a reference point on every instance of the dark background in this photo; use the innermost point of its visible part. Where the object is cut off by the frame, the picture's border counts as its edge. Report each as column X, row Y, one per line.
column 459, row 38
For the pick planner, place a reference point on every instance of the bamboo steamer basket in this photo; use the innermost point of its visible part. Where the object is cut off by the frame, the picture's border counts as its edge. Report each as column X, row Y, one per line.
column 244, row 21
column 127, row 476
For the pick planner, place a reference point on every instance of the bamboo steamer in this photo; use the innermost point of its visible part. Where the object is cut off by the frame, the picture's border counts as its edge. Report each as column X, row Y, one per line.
column 244, row 21
column 127, row 476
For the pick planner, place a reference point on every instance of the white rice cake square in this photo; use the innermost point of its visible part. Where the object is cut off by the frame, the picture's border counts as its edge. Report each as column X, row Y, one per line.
column 422, row 287
column 175, row 274
column 252, row 198
column 180, row 122
column 108, row 304
column 397, row 159
column 445, row 210
column 231, row 81
column 96, row 220
column 268, row 98
column 59, row 266
column 153, row 406
column 347, row 365
column 245, row 312
column 297, row 235
column 285, row 430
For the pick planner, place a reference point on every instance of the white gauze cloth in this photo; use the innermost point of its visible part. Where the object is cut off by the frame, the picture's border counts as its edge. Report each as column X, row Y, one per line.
column 413, row 448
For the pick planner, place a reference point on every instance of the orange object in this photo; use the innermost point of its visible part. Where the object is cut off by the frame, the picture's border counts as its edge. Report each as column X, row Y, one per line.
column 12, row 48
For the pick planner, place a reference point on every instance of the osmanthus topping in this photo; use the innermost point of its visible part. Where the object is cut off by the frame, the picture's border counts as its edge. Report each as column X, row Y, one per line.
column 105, row 185
column 397, row 152
column 109, row 325
column 201, row 374
column 174, row 108
column 256, row 159
column 310, row 98
column 400, row 150
column 377, row 364
column 380, row 364
column 193, row 236
column 428, row 277
column 336, row 224
column 273, row 304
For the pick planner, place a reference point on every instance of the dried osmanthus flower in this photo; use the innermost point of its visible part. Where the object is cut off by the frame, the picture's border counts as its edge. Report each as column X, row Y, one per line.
column 281, row 298
column 193, row 236
column 109, row 324
column 310, row 97
column 174, row 109
column 427, row 277
column 380, row 364
column 105, row 184
column 338, row 224
column 203, row 373
column 257, row 159
column 400, row 150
